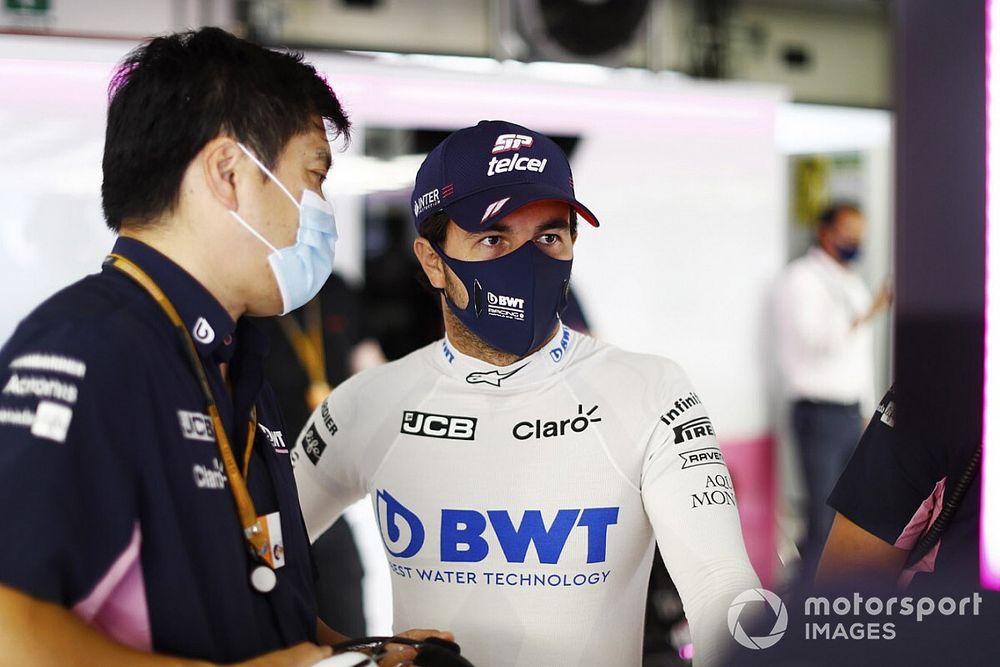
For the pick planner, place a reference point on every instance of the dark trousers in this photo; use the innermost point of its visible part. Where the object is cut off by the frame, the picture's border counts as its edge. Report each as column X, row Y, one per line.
column 826, row 435
column 338, row 591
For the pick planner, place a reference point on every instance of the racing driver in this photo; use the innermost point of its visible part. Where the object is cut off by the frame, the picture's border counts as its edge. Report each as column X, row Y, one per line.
column 520, row 471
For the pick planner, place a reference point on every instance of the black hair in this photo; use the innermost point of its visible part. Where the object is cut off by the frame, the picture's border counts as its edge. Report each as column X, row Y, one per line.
column 174, row 94
column 435, row 228
column 830, row 214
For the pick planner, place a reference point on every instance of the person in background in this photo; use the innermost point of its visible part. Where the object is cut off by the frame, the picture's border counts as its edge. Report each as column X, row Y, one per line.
column 823, row 313
column 314, row 349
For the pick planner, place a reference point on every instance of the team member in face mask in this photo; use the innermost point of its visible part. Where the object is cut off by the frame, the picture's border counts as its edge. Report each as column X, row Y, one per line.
column 156, row 520
column 825, row 349
column 520, row 471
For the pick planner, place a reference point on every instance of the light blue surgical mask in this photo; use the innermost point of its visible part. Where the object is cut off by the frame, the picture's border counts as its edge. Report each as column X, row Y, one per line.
column 300, row 269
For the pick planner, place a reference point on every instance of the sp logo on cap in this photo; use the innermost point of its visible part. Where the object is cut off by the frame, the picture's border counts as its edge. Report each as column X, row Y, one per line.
column 512, row 142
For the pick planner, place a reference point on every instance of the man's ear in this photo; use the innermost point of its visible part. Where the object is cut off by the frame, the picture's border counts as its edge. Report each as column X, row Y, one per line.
column 219, row 159
column 430, row 262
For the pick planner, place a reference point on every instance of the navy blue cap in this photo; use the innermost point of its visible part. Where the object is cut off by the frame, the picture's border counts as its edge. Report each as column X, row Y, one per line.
column 480, row 174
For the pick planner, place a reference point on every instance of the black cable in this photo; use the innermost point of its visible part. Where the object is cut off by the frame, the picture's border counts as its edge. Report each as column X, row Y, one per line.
column 933, row 535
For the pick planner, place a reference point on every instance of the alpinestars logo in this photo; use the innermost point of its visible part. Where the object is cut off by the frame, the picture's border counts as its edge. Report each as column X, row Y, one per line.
column 438, row 426
column 512, row 142
column 507, row 307
column 493, row 377
column 690, row 430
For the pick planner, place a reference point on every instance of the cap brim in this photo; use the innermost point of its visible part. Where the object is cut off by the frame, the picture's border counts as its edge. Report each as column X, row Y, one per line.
column 482, row 210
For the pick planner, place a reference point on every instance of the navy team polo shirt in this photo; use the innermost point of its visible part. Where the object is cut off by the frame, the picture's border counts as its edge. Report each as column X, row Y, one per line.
column 895, row 486
column 116, row 503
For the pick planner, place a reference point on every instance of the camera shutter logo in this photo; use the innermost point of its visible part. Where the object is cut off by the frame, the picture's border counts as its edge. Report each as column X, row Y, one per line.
column 773, row 603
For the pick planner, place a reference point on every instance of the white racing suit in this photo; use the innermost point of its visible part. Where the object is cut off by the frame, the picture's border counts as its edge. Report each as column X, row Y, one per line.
column 519, row 505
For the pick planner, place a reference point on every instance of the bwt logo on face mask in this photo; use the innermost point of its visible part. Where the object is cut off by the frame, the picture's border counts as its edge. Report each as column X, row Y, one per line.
column 438, row 426
column 508, row 307
column 462, row 541
column 509, row 301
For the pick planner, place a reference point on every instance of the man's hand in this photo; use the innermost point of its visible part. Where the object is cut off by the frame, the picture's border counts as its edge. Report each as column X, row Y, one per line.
column 401, row 654
column 36, row 632
column 300, row 655
column 852, row 554
column 881, row 301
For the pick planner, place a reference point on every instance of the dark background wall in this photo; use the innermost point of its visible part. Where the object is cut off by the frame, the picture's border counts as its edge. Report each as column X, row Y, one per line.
column 940, row 205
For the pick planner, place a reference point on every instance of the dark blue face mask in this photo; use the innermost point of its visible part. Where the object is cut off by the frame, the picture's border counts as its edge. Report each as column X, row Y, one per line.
column 848, row 252
column 514, row 300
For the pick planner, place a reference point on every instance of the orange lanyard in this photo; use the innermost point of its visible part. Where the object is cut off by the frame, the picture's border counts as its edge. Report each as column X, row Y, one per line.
column 308, row 344
column 253, row 532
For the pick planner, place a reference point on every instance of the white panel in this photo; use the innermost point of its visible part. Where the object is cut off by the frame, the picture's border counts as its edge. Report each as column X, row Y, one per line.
column 692, row 237
column 440, row 26
column 51, row 139
column 850, row 56
column 122, row 17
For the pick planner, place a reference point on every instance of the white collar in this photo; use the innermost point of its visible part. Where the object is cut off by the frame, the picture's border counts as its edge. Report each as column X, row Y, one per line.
column 483, row 376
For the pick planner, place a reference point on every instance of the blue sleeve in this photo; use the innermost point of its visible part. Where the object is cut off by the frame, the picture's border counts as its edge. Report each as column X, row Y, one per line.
column 67, row 442
column 890, row 474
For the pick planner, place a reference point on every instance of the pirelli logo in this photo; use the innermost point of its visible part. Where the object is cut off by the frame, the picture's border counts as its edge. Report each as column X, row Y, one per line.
column 691, row 430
